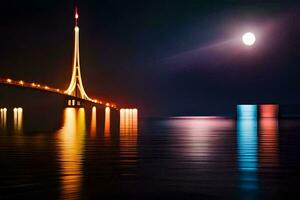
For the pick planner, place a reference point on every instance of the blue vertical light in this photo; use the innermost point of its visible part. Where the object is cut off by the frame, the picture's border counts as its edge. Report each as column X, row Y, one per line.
column 247, row 145
column 247, row 111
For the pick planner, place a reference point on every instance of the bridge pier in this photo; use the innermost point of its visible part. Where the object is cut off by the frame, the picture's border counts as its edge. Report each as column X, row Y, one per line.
column 74, row 102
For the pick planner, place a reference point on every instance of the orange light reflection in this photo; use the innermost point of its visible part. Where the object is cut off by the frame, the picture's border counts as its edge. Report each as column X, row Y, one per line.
column 107, row 122
column 18, row 120
column 70, row 143
column 94, row 122
column 3, row 118
column 128, row 138
column 268, row 142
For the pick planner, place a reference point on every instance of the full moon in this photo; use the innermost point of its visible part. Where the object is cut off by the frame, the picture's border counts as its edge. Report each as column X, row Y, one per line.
column 248, row 39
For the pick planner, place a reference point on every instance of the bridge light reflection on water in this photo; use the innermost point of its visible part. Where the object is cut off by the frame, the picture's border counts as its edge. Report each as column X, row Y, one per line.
column 107, row 122
column 18, row 120
column 128, row 140
column 214, row 156
column 94, row 121
column 247, row 147
column 71, row 145
column 71, row 142
column 3, row 118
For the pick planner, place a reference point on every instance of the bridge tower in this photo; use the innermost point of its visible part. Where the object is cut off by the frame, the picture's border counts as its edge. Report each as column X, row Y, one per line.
column 76, row 88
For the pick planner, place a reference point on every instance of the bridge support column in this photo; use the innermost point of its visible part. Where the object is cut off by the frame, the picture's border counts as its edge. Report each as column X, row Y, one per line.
column 74, row 102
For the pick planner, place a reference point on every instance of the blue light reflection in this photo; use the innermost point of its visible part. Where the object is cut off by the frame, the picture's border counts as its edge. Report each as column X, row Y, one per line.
column 247, row 145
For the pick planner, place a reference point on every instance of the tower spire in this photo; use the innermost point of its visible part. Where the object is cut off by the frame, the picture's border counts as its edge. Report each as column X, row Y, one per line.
column 76, row 16
column 76, row 87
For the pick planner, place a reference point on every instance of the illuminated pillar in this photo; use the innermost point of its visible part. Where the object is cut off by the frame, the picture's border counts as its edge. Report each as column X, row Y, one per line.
column 76, row 87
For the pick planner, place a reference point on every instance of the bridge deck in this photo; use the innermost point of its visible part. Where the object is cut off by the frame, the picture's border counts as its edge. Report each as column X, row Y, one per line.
column 46, row 88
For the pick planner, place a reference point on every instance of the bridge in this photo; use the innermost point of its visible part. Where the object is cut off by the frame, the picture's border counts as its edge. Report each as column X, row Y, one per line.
column 75, row 93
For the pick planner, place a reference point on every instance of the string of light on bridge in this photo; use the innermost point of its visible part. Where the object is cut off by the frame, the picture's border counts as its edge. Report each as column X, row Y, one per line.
column 37, row 86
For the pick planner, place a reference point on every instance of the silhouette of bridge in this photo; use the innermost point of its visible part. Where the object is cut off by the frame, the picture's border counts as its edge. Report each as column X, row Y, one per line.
column 75, row 93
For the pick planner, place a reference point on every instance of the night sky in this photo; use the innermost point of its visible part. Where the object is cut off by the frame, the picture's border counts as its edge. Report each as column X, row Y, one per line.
column 166, row 57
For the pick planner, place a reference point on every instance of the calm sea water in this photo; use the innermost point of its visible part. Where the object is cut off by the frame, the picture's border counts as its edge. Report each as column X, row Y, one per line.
column 167, row 158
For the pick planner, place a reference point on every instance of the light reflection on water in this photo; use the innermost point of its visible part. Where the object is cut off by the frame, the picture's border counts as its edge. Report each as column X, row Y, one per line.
column 247, row 148
column 201, row 156
column 70, row 154
column 247, row 152
column 70, row 141
column 128, row 139
column 268, row 142
column 3, row 118
column 199, row 136
column 107, row 122
column 268, row 138
column 18, row 120
column 94, row 122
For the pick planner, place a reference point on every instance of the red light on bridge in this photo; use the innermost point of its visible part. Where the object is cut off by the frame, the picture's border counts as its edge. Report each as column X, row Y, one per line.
column 46, row 87
column 8, row 80
column 21, row 82
column 33, row 84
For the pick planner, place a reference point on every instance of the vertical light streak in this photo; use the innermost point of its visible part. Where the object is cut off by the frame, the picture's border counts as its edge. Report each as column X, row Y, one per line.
column 81, row 121
column 135, row 119
column 70, row 144
column 122, row 119
column 3, row 118
column 107, row 122
column 128, row 138
column 268, row 136
column 15, row 110
column 247, row 147
column 127, row 127
column 18, row 120
column 94, row 122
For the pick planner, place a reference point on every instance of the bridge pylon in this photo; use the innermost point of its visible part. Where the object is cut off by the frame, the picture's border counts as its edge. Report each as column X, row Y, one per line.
column 76, row 88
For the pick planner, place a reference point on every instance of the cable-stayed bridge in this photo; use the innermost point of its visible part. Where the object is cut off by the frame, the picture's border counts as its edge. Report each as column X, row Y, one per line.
column 75, row 93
